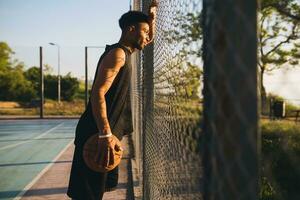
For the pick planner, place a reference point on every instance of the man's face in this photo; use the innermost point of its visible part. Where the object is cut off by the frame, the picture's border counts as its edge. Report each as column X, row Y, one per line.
column 141, row 36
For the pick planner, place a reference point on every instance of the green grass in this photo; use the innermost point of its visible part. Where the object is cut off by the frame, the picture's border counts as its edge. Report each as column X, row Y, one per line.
column 51, row 108
column 280, row 160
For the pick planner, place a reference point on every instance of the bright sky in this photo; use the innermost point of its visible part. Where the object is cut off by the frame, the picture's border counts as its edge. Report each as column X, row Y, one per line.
column 73, row 24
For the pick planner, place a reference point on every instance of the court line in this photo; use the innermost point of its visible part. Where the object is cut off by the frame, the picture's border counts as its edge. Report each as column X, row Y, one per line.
column 37, row 137
column 29, row 185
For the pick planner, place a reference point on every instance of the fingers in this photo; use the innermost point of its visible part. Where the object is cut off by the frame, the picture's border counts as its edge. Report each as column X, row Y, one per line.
column 117, row 147
column 98, row 153
column 152, row 13
column 106, row 150
column 101, row 156
column 106, row 157
column 154, row 3
column 111, row 155
column 153, row 7
column 101, row 152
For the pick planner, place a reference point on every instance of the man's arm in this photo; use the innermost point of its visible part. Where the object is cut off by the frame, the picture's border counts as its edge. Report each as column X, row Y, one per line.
column 107, row 72
column 152, row 19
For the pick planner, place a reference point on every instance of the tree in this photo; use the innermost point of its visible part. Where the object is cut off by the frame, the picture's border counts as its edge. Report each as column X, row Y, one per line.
column 70, row 86
column 33, row 75
column 16, row 84
column 13, row 84
column 279, row 43
column 5, row 56
column 183, row 71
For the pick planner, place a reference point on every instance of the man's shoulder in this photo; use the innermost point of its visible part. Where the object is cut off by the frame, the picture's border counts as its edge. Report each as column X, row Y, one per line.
column 116, row 52
column 114, row 57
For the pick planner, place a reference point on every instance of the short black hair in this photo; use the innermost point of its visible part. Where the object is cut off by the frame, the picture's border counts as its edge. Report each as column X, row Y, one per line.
column 132, row 18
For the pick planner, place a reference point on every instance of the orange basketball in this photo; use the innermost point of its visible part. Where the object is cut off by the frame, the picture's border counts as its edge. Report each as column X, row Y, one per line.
column 90, row 149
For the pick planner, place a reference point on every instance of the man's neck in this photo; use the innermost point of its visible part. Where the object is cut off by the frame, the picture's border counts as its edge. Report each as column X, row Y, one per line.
column 126, row 45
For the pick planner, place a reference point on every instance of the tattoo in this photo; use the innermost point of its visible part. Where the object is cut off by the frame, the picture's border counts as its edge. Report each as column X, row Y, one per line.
column 111, row 69
column 108, row 81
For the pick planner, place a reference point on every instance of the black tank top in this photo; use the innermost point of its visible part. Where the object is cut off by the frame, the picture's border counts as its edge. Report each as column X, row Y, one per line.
column 117, row 104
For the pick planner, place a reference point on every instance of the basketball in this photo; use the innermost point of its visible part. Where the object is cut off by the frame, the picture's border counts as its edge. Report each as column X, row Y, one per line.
column 90, row 151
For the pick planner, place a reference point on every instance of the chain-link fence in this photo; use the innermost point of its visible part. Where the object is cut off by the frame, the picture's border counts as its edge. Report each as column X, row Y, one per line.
column 231, row 106
column 168, row 102
column 196, row 96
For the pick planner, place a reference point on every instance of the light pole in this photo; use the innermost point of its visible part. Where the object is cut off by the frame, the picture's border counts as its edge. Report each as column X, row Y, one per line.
column 58, row 73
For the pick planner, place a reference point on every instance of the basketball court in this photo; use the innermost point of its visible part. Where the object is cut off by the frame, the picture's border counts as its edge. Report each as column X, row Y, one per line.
column 35, row 160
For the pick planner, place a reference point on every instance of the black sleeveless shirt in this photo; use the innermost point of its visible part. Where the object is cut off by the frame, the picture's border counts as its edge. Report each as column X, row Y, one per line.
column 118, row 104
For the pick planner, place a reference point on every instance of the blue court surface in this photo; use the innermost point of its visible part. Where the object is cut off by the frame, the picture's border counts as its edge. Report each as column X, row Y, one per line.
column 27, row 147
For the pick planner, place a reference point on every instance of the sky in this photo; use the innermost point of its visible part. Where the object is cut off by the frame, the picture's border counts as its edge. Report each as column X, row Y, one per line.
column 73, row 24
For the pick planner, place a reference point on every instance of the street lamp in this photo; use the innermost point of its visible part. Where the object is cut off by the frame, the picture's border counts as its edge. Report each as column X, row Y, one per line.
column 58, row 73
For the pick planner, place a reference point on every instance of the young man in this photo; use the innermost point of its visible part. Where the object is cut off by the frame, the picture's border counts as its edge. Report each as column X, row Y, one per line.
column 109, row 109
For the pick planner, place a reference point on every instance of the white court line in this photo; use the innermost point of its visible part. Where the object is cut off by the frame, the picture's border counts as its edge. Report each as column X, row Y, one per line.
column 28, row 186
column 37, row 137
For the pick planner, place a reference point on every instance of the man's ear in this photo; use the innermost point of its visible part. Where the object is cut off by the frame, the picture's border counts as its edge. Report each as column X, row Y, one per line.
column 131, row 28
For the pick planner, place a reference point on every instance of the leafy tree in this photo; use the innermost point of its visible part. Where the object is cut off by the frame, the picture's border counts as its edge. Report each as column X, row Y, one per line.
column 50, row 84
column 19, row 85
column 5, row 56
column 33, row 75
column 279, row 43
column 183, row 70
column 70, row 86
column 13, row 84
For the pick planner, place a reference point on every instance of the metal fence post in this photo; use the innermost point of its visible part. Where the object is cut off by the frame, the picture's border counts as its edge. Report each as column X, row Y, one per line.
column 41, row 84
column 230, row 100
column 86, row 76
column 147, row 109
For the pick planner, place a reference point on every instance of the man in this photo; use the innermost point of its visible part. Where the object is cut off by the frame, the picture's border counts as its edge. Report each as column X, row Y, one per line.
column 109, row 109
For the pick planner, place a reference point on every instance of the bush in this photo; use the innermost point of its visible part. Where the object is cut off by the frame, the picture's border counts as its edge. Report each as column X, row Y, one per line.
column 15, row 85
column 69, row 87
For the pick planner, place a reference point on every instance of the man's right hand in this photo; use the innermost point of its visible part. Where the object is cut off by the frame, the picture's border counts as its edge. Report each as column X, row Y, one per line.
column 105, row 154
column 153, row 10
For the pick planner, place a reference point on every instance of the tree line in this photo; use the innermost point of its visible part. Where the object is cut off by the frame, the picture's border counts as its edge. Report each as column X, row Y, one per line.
column 23, row 85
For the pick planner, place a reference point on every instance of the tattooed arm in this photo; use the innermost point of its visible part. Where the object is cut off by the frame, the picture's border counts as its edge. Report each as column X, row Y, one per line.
column 107, row 71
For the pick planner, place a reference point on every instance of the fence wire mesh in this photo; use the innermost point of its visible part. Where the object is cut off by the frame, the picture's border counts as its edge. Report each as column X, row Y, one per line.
column 196, row 94
column 230, row 108
column 167, row 93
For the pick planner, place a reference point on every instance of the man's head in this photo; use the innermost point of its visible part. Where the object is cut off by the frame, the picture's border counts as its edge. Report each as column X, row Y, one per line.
column 135, row 28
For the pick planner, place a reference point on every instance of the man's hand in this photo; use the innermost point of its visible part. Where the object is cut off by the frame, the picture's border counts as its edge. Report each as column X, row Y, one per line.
column 152, row 18
column 153, row 10
column 105, row 154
